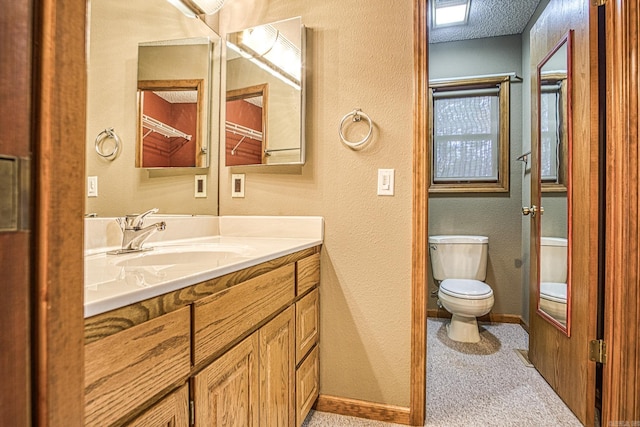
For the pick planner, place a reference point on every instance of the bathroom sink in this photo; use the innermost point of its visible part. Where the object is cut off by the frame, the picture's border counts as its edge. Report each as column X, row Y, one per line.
column 182, row 255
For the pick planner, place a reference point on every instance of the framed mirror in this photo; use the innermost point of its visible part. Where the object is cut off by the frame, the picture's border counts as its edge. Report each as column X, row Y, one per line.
column 174, row 103
column 554, row 155
column 264, row 113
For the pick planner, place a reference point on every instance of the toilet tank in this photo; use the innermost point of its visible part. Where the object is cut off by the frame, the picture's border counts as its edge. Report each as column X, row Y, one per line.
column 553, row 259
column 458, row 257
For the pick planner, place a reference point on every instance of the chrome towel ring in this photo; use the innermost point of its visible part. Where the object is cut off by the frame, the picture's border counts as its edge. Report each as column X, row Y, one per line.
column 101, row 138
column 357, row 115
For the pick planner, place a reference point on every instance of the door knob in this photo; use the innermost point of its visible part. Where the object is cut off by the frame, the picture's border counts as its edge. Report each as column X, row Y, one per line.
column 533, row 210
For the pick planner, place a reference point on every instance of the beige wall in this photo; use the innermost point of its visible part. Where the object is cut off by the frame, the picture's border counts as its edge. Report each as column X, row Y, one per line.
column 360, row 55
column 116, row 27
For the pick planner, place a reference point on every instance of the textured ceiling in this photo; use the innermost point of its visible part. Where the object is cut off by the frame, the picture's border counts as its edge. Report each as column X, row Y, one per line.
column 489, row 18
column 179, row 96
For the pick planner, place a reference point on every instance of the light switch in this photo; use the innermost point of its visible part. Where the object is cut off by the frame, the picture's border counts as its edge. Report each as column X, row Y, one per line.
column 92, row 186
column 385, row 182
column 237, row 185
column 201, row 186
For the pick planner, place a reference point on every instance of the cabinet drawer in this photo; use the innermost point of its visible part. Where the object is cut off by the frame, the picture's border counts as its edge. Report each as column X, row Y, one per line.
column 124, row 370
column 307, row 324
column 308, row 274
column 307, row 385
column 172, row 411
column 222, row 318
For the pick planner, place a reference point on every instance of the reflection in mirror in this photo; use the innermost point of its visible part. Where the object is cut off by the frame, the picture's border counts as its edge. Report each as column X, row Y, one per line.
column 169, row 131
column 265, row 59
column 554, row 131
column 174, row 103
column 117, row 32
column 246, row 127
column 554, row 120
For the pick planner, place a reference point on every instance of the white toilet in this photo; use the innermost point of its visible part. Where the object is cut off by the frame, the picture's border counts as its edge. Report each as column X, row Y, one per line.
column 459, row 266
column 553, row 277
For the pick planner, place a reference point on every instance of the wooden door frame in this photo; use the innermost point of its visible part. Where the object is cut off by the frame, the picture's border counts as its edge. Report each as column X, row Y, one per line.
column 621, row 372
column 419, row 216
column 58, row 125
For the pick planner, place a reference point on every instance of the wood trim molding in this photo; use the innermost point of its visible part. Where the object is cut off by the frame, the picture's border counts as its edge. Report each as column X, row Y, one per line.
column 59, row 150
column 362, row 409
column 420, row 188
column 621, row 373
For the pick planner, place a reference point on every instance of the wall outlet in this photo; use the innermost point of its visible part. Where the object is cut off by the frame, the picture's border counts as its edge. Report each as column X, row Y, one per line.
column 201, row 186
column 92, row 186
column 237, row 185
column 386, row 178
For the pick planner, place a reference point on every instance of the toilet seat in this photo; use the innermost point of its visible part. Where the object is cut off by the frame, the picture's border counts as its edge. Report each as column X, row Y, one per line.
column 466, row 289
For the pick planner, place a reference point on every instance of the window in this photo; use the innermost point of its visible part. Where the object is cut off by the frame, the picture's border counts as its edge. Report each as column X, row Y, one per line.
column 549, row 134
column 469, row 135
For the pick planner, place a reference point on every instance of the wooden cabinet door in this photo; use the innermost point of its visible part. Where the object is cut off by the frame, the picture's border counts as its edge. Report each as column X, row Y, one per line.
column 227, row 391
column 277, row 371
column 307, row 324
column 307, row 385
column 172, row 411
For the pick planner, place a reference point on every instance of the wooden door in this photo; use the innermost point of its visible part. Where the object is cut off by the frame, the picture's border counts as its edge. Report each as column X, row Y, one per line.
column 563, row 360
column 15, row 235
column 226, row 392
column 277, row 371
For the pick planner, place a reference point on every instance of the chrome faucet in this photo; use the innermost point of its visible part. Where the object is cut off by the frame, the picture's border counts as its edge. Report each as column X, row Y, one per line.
column 133, row 235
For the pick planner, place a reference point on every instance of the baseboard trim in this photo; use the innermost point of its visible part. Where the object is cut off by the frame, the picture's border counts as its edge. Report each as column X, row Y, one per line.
column 362, row 409
column 491, row 317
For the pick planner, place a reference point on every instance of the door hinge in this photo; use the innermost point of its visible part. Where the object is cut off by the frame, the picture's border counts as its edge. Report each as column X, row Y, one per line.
column 598, row 2
column 598, row 351
column 192, row 413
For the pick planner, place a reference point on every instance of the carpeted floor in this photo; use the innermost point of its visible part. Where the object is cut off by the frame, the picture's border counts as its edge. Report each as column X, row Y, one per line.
column 483, row 384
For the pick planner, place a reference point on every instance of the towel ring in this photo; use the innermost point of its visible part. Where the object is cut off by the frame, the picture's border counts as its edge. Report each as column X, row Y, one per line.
column 102, row 136
column 357, row 116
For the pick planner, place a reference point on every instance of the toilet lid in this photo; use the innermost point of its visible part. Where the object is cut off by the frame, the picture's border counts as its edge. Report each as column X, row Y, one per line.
column 465, row 288
column 554, row 291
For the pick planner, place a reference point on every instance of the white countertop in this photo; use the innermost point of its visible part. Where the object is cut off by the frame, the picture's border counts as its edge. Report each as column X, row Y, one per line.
column 114, row 281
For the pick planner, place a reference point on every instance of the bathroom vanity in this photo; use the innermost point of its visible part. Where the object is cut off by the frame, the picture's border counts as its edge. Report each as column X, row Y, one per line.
column 241, row 345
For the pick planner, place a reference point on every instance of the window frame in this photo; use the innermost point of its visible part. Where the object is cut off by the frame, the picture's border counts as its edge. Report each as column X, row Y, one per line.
column 501, row 185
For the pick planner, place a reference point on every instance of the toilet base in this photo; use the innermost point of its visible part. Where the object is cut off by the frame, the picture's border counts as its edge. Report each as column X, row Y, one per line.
column 463, row 329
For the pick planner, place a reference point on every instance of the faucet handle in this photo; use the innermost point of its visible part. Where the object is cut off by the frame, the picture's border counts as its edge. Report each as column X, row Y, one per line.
column 136, row 220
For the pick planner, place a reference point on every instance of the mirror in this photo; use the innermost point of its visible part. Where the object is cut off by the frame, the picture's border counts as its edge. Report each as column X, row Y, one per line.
column 264, row 114
column 151, row 41
column 554, row 155
column 174, row 103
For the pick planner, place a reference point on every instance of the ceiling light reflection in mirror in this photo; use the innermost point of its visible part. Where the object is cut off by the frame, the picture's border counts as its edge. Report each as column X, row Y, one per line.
column 265, row 64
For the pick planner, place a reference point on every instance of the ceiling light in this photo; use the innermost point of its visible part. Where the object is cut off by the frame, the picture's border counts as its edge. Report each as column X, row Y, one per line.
column 193, row 8
column 450, row 12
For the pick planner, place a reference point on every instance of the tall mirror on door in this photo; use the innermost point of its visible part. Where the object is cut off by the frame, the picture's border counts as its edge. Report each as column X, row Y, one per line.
column 554, row 136
column 265, row 95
